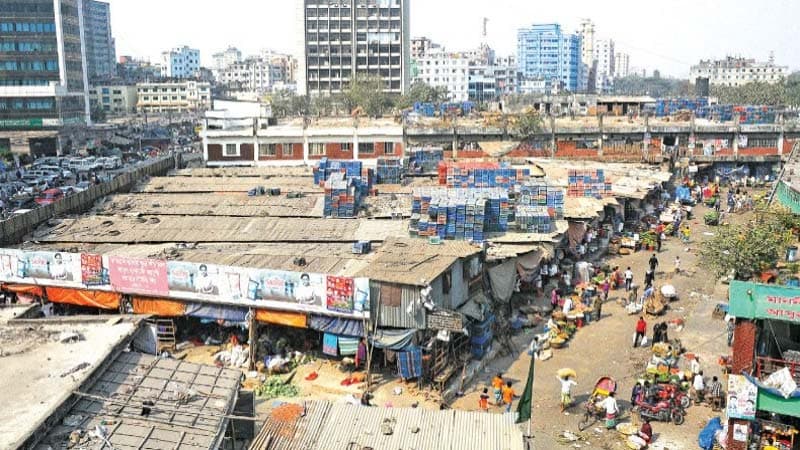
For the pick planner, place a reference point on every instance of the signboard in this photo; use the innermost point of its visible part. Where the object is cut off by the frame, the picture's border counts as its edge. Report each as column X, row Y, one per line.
column 445, row 320
column 21, row 123
column 764, row 301
column 237, row 286
column 742, row 395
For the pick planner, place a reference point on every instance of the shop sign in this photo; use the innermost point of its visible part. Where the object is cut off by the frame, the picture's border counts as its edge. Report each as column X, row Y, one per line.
column 742, row 396
column 138, row 275
column 445, row 320
column 761, row 301
column 21, row 123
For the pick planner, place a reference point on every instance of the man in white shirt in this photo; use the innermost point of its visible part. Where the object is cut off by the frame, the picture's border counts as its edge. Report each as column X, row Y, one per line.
column 612, row 409
column 628, row 279
column 566, row 392
column 567, row 305
column 699, row 387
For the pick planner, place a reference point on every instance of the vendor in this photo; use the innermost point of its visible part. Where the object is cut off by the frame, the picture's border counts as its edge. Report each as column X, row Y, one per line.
column 643, row 438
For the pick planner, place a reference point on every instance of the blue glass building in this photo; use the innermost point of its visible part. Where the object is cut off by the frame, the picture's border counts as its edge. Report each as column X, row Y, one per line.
column 545, row 52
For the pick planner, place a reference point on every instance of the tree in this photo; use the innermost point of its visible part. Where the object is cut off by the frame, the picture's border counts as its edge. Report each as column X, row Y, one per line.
column 654, row 86
column 422, row 92
column 748, row 249
column 527, row 123
column 367, row 92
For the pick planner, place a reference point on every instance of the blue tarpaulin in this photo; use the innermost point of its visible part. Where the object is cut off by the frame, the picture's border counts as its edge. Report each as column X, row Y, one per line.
column 336, row 325
column 396, row 340
column 409, row 364
column 216, row 312
column 706, row 437
column 682, row 193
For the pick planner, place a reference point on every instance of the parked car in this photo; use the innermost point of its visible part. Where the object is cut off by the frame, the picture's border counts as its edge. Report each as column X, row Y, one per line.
column 49, row 196
column 63, row 173
column 48, row 161
column 34, row 184
column 82, row 186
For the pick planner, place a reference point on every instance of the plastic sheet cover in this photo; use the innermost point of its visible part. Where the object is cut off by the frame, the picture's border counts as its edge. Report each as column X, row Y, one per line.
column 216, row 312
column 158, row 307
column 289, row 319
column 396, row 340
column 337, row 325
column 96, row 299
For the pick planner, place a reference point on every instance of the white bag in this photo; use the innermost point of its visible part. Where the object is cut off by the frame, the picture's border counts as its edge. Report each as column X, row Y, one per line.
column 644, row 341
column 782, row 381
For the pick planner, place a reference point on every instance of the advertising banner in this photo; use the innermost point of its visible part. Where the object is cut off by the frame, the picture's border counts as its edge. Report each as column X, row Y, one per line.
column 138, row 275
column 764, row 301
column 93, row 271
column 742, row 395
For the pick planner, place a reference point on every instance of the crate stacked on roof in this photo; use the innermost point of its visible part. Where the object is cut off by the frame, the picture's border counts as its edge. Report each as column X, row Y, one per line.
column 461, row 214
column 533, row 219
column 466, row 174
column 588, row 183
column 389, row 171
column 539, row 193
column 423, row 159
column 343, row 195
column 351, row 169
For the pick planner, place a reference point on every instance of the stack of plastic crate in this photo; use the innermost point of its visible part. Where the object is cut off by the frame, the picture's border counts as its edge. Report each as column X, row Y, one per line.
column 342, row 196
column 389, row 171
column 533, row 219
column 426, row 159
column 588, row 183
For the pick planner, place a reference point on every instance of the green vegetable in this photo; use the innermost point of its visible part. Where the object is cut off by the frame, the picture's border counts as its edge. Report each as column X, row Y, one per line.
column 275, row 386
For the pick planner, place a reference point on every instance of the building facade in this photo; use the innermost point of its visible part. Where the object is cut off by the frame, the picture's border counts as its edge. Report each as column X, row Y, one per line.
column 173, row 96
column 43, row 78
column 587, row 33
column 439, row 68
column 101, row 54
column 180, row 62
column 604, row 65
column 114, row 99
column 347, row 38
column 738, row 71
column 420, row 46
column 622, row 65
column 546, row 52
column 222, row 60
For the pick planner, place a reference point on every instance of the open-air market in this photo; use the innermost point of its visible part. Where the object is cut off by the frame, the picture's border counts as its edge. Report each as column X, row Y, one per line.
column 376, row 242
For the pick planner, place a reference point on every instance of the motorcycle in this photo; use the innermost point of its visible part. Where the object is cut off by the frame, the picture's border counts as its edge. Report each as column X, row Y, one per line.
column 662, row 410
column 671, row 391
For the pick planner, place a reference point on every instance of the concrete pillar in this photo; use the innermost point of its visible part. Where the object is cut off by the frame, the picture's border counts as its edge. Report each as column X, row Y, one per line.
column 744, row 350
column 554, row 142
column 355, row 145
column 781, row 138
column 736, row 144
column 600, row 124
column 455, row 142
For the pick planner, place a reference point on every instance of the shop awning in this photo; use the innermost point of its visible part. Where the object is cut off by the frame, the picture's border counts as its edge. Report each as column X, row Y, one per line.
column 473, row 308
column 337, row 325
column 95, row 299
column 216, row 312
column 289, row 319
column 396, row 340
column 24, row 289
column 158, row 307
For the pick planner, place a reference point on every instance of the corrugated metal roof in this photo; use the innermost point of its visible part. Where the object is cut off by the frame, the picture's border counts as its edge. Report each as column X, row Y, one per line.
column 339, row 426
column 219, row 204
column 227, row 184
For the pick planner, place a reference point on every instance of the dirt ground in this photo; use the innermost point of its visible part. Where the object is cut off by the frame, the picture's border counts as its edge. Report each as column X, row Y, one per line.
column 604, row 348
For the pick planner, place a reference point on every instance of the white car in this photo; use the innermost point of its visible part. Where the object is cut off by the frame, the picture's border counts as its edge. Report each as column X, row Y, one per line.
column 64, row 173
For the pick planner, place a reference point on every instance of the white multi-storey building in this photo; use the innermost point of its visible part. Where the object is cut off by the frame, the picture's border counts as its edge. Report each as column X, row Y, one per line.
column 420, row 46
column 622, row 65
column 738, row 71
column 251, row 75
column 114, row 99
column 175, row 96
column 180, row 62
column 587, row 33
column 440, row 68
column 604, row 65
column 342, row 38
column 222, row 60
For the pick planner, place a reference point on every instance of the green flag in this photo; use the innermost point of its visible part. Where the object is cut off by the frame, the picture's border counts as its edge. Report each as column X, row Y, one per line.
column 525, row 405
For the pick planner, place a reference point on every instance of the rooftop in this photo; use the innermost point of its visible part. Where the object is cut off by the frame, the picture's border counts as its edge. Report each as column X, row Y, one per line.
column 40, row 372
column 335, row 426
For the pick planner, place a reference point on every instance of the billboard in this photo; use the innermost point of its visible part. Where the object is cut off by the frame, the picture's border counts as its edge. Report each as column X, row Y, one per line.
column 229, row 285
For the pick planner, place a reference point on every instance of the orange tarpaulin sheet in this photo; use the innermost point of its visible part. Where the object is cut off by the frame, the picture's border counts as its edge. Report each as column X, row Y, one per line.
column 290, row 319
column 23, row 289
column 96, row 299
column 158, row 307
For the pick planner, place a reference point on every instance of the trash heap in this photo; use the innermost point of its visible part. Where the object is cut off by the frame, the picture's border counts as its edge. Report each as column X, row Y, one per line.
column 537, row 193
column 389, row 171
column 588, row 183
column 465, row 174
column 343, row 195
column 460, row 214
column 427, row 159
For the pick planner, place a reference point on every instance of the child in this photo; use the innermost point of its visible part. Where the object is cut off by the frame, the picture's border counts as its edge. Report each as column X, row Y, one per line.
column 508, row 396
column 497, row 384
column 483, row 403
column 677, row 264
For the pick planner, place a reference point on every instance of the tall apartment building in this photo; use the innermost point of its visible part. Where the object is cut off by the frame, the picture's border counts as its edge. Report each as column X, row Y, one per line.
column 587, row 33
column 738, row 71
column 546, row 52
column 604, row 65
column 345, row 38
column 180, row 62
column 43, row 78
column 439, row 68
column 101, row 52
column 622, row 65
column 223, row 59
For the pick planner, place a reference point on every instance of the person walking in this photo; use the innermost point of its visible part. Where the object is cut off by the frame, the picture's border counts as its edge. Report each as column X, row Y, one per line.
column 612, row 410
column 497, row 384
column 483, row 402
column 715, row 392
column 597, row 307
column 677, row 264
column 659, row 237
column 508, row 396
column 648, row 277
column 653, row 262
column 566, row 391
column 699, row 387
column 628, row 279
column 606, row 286
column 641, row 331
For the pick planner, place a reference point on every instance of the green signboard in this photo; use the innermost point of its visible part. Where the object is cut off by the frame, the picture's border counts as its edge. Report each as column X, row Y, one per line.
column 777, row 404
column 20, row 123
column 764, row 301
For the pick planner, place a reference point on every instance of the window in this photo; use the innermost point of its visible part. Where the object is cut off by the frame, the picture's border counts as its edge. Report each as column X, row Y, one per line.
column 267, row 150
column 231, row 150
column 388, row 148
column 317, row 149
column 288, row 149
column 346, row 146
column 391, row 295
column 366, row 148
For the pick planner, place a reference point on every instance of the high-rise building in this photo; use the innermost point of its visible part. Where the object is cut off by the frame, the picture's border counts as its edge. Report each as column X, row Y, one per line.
column 347, row 38
column 545, row 52
column 439, row 68
column 101, row 53
column 223, row 59
column 43, row 78
column 420, row 46
column 587, row 34
column 180, row 62
column 604, row 65
column 622, row 65
column 738, row 71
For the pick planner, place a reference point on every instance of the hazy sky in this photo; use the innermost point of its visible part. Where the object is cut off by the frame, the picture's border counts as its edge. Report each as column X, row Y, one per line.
column 667, row 35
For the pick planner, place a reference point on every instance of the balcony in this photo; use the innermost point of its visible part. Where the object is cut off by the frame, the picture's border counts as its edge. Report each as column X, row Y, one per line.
column 767, row 366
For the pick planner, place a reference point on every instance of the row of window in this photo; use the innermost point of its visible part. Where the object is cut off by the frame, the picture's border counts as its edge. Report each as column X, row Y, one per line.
column 26, row 104
column 26, row 82
column 314, row 149
column 27, row 47
column 27, row 7
column 27, row 27
column 29, row 66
